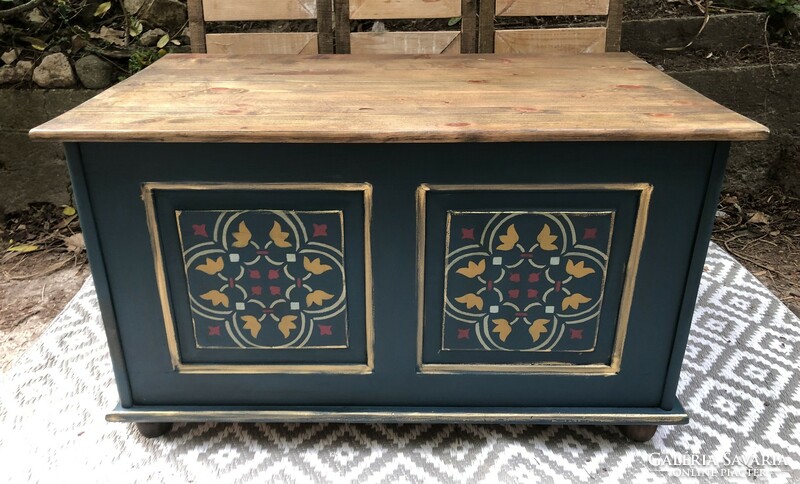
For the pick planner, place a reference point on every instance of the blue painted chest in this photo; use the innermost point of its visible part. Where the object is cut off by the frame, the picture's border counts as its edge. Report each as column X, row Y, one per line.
column 302, row 241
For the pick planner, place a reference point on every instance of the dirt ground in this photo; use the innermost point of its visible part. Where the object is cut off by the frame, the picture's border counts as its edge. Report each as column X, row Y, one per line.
column 762, row 231
column 36, row 284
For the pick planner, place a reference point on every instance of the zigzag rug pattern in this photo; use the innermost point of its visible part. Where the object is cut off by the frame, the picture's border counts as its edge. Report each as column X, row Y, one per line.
column 739, row 384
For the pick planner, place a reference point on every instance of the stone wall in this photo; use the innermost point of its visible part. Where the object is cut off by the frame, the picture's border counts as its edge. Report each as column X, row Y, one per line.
column 33, row 172
column 769, row 95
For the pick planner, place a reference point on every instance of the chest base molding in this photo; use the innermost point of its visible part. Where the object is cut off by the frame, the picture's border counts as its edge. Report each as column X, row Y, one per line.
column 480, row 415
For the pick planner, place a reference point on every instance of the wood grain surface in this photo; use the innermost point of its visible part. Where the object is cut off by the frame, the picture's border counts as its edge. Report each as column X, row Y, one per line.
column 391, row 9
column 385, row 98
column 221, row 10
column 262, row 43
column 584, row 40
column 542, row 8
column 197, row 27
column 429, row 42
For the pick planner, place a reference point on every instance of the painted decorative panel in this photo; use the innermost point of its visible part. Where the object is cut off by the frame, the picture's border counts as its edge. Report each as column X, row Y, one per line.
column 265, row 279
column 525, row 281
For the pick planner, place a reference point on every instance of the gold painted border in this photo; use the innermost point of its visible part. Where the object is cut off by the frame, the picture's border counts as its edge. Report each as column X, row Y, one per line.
column 227, row 368
column 410, row 416
column 612, row 213
column 632, row 267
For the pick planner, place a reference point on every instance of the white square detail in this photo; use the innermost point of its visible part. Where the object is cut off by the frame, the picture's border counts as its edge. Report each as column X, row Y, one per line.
column 497, row 261
column 291, row 257
column 554, row 261
column 294, row 305
column 494, row 309
column 240, row 306
column 549, row 309
column 234, row 257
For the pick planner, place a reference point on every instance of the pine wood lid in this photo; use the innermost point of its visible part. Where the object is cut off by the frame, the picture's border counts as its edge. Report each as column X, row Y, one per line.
column 384, row 98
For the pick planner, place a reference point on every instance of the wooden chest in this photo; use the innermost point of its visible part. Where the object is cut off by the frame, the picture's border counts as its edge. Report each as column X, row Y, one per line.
column 405, row 239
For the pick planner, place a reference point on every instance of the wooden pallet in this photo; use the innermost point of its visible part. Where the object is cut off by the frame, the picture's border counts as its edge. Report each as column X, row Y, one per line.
column 477, row 30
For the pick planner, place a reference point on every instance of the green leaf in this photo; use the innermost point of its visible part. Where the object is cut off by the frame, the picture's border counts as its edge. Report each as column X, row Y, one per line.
column 69, row 211
column 23, row 248
column 162, row 41
column 102, row 9
column 37, row 44
column 135, row 28
column 453, row 21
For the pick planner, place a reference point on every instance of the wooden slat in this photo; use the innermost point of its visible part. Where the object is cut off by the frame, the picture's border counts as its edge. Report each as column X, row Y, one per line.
column 197, row 27
column 325, row 26
column 544, row 8
column 341, row 12
column 390, row 9
column 486, row 26
column 469, row 26
column 381, row 98
column 443, row 42
column 221, row 10
column 614, row 26
column 262, row 43
column 589, row 40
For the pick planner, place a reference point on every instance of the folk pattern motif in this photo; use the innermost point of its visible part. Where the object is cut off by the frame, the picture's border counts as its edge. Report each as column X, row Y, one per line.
column 525, row 281
column 265, row 279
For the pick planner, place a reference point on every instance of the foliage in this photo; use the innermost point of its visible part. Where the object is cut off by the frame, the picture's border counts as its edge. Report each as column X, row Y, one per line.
column 142, row 58
column 785, row 19
column 80, row 27
column 782, row 8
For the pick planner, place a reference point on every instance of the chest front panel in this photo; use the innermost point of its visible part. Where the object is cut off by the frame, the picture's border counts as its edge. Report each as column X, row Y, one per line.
column 510, row 274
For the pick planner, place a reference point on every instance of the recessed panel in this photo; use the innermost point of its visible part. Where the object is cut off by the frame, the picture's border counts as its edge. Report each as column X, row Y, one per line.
column 535, row 278
column 265, row 279
column 525, row 281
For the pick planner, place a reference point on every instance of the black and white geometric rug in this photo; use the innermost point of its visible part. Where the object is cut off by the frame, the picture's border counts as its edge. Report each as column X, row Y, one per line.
column 740, row 385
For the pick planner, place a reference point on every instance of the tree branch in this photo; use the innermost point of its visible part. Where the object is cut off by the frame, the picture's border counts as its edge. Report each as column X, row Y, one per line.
column 20, row 8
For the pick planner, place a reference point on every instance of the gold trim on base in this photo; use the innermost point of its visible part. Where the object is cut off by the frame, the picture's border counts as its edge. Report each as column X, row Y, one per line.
column 227, row 368
column 626, row 301
column 410, row 416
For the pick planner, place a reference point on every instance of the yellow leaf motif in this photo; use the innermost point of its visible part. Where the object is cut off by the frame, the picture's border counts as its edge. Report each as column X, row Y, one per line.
column 502, row 328
column 211, row 266
column 546, row 239
column 471, row 301
column 537, row 329
column 242, row 237
column 578, row 270
column 573, row 301
column 473, row 270
column 317, row 297
column 279, row 236
column 251, row 323
column 315, row 266
column 216, row 298
column 286, row 325
column 510, row 239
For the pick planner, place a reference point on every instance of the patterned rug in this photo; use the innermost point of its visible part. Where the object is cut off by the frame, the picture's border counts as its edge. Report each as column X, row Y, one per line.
column 739, row 384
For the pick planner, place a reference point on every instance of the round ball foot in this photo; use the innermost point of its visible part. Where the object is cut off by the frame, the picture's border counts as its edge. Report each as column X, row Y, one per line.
column 639, row 433
column 153, row 429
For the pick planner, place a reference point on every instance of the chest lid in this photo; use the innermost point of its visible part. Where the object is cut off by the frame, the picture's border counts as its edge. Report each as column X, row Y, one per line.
column 399, row 98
